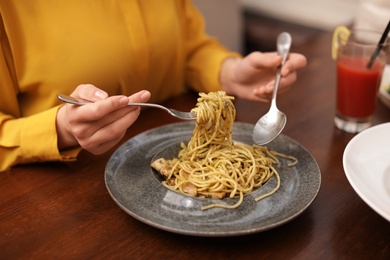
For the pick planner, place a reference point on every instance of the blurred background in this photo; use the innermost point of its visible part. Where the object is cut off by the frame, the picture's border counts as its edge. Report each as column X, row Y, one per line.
column 248, row 25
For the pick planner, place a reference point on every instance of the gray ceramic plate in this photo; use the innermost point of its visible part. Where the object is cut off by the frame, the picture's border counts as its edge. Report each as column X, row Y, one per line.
column 137, row 188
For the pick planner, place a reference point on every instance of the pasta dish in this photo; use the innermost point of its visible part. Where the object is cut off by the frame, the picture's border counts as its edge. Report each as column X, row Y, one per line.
column 211, row 165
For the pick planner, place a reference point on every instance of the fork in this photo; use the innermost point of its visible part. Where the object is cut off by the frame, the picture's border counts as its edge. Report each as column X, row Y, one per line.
column 173, row 112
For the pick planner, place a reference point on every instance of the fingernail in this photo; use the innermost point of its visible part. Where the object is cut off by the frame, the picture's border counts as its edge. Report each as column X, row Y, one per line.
column 100, row 94
column 123, row 100
column 145, row 95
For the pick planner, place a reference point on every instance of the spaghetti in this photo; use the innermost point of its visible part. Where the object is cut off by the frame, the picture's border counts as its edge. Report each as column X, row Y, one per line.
column 211, row 165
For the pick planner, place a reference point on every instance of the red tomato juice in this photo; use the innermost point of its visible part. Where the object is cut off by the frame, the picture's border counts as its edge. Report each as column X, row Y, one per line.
column 357, row 86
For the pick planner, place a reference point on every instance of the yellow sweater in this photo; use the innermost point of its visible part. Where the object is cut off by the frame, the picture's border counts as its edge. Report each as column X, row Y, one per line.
column 121, row 46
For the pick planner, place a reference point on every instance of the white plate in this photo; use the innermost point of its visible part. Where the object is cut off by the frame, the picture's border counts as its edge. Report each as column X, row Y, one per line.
column 366, row 164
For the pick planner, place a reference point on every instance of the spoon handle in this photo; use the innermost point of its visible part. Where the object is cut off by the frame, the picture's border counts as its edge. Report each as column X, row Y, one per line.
column 283, row 47
column 276, row 87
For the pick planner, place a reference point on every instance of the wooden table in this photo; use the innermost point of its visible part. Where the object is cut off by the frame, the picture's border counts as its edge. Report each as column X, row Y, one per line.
column 64, row 211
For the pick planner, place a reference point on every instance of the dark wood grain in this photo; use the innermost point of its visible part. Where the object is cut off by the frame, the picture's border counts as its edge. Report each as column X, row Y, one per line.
column 64, row 211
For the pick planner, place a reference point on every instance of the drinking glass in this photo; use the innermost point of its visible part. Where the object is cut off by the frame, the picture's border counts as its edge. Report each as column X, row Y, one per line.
column 357, row 81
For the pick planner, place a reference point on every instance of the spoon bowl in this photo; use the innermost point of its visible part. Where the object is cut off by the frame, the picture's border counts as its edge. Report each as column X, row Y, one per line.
column 271, row 124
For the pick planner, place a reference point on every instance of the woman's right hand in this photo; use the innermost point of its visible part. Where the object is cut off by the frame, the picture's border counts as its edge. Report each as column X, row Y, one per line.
column 98, row 126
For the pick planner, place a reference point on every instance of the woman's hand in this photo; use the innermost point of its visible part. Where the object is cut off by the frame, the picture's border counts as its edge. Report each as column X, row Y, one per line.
column 98, row 126
column 253, row 77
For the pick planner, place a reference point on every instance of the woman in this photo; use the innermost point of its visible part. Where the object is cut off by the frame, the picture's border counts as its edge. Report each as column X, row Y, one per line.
column 124, row 50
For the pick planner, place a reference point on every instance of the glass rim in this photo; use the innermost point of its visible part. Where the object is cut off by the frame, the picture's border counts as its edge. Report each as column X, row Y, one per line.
column 355, row 31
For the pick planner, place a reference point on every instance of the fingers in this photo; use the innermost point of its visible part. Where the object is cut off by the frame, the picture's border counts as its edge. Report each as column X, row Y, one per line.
column 141, row 96
column 95, row 111
column 294, row 62
column 264, row 93
column 100, row 125
column 96, row 117
column 89, row 92
column 108, row 134
column 259, row 60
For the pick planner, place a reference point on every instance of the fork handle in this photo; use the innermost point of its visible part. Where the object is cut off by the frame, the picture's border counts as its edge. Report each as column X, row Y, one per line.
column 74, row 101
column 146, row 105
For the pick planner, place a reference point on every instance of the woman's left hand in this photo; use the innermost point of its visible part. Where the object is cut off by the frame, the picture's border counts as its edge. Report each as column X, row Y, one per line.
column 253, row 77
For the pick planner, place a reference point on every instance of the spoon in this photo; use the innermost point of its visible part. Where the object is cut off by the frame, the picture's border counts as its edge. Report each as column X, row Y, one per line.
column 271, row 124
